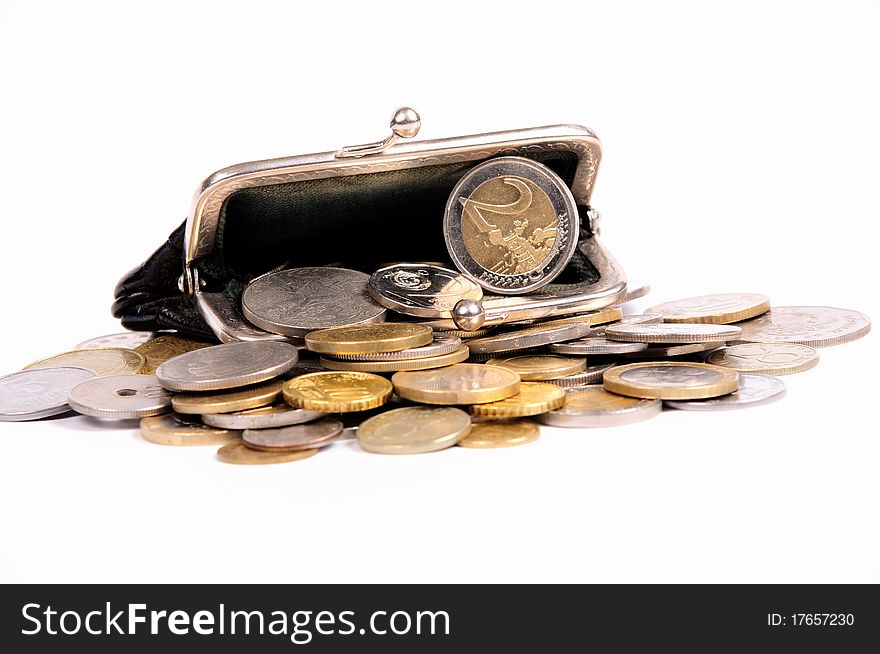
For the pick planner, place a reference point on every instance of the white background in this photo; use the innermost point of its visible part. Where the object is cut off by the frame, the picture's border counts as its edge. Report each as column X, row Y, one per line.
column 741, row 154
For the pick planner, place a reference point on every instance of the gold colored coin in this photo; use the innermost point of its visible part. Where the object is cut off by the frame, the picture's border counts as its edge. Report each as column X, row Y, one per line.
column 175, row 429
column 531, row 235
column 670, row 380
column 337, row 392
column 538, row 367
column 249, row 397
column 167, row 346
column 533, row 398
column 718, row 309
column 477, row 333
column 506, row 433
column 413, row 430
column 425, row 363
column 766, row 358
column 240, row 454
column 600, row 317
column 366, row 339
column 462, row 383
column 103, row 361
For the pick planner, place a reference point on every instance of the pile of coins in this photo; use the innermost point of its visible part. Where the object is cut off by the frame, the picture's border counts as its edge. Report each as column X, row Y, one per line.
column 405, row 385
column 418, row 357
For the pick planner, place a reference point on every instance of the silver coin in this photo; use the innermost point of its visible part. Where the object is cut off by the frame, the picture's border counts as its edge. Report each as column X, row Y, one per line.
column 666, row 351
column 126, row 340
column 636, row 319
column 635, row 290
column 227, row 366
column 295, row 437
column 38, row 393
column 297, row 301
column 529, row 337
column 421, row 290
column 592, row 375
column 120, row 397
column 511, row 225
column 766, row 358
column 592, row 345
column 754, row 390
column 261, row 418
column 593, row 406
column 672, row 333
column 442, row 344
column 814, row 326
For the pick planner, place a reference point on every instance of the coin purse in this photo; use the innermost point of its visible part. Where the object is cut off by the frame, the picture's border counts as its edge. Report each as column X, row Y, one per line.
column 360, row 207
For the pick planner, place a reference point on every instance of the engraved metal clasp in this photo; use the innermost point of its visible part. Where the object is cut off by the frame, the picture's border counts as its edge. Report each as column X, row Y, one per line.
column 405, row 123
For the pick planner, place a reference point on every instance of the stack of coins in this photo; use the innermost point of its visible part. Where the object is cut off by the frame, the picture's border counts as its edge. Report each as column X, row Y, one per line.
column 386, row 347
column 378, row 360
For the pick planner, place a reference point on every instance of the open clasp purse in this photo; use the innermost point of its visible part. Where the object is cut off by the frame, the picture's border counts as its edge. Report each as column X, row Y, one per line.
column 361, row 207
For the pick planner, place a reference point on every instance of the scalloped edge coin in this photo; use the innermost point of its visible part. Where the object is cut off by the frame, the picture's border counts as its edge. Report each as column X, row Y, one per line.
column 805, row 325
column 422, row 290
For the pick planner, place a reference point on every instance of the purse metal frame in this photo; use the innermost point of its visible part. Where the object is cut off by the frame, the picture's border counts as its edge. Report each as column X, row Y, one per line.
column 224, row 317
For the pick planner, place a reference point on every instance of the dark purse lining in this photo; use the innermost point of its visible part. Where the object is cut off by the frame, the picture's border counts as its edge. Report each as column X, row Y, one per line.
column 358, row 221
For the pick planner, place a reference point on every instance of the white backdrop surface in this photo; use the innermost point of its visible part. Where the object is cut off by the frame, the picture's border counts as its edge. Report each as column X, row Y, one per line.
column 740, row 154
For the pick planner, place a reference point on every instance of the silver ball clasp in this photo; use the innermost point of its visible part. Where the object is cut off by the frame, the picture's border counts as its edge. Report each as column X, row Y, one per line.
column 405, row 122
column 468, row 315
